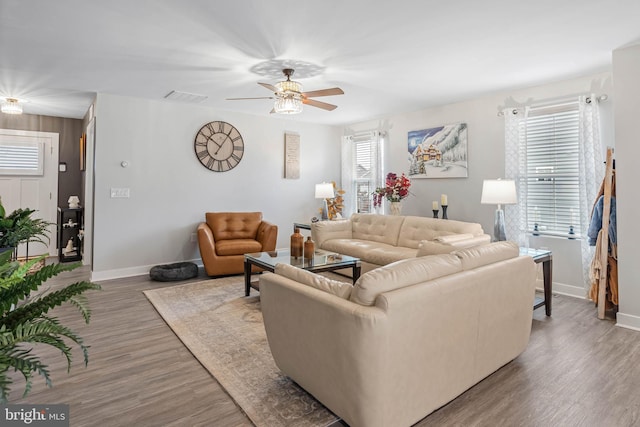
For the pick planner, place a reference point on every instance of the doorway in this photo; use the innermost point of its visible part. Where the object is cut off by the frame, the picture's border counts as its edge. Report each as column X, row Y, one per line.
column 31, row 183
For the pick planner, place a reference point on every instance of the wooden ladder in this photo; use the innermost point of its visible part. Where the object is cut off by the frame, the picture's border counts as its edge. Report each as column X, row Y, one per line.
column 604, row 242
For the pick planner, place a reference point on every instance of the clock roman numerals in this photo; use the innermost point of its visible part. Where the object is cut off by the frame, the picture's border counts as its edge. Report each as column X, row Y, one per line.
column 224, row 155
column 202, row 154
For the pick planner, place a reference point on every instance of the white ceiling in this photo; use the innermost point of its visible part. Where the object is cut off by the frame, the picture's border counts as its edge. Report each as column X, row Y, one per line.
column 388, row 56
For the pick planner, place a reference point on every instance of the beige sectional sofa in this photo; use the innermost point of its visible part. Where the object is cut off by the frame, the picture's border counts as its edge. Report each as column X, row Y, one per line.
column 407, row 338
column 382, row 239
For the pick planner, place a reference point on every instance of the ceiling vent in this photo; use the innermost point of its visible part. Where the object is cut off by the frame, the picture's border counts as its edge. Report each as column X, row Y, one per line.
column 192, row 98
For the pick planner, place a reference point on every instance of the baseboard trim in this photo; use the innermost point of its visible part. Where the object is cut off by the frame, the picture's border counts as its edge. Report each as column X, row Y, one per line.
column 628, row 321
column 99, row 276
column 564, row 289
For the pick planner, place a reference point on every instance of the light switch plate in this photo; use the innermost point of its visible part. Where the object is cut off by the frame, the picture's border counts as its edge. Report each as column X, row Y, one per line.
column 119, row 193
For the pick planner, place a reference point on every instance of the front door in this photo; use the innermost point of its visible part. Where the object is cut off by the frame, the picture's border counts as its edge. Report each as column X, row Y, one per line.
column 29, row 179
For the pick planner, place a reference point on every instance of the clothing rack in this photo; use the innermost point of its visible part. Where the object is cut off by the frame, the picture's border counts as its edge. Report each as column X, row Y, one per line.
column 604, row 242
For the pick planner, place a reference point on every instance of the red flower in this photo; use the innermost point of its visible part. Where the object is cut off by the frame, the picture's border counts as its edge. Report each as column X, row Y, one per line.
column 395, row 189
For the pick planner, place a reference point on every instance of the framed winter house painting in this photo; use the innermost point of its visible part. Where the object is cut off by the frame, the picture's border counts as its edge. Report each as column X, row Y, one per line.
column 439, row 152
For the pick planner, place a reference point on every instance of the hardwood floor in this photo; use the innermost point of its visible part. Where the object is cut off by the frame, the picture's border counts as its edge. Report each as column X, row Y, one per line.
column 576, row 371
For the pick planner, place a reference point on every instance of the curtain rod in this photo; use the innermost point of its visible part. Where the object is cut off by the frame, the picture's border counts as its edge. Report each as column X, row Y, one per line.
column 599, row 98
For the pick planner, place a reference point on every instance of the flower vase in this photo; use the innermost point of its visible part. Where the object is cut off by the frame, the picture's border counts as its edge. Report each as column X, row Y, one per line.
column 396, row 208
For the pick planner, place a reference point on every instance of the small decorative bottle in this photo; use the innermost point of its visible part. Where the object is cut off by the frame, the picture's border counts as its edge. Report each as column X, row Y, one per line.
column 309, row 248
column 297, row 241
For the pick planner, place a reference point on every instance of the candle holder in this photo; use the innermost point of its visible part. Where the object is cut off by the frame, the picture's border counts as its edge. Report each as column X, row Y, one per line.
column 435, row 213
column 444, row 211
column 572, row 233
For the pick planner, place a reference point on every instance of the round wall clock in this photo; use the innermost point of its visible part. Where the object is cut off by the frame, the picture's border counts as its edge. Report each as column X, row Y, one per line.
column 219, row 146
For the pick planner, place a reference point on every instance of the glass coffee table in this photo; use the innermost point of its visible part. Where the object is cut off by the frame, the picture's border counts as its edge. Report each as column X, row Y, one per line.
column 322, row 261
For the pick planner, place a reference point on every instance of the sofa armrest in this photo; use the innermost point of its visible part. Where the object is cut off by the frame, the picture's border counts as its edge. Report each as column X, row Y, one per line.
column 474, row 241
column 267, row 236
column 322, row 231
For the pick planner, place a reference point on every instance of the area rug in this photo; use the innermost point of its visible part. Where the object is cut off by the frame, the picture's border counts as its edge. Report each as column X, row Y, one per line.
column 223, row 329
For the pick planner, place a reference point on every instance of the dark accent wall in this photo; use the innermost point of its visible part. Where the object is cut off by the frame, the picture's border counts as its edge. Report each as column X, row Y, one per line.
column 69, row 130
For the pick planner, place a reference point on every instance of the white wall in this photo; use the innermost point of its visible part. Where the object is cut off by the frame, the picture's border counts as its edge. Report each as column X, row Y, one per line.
column 486, row 157
column 626, row 69
column 170, row 190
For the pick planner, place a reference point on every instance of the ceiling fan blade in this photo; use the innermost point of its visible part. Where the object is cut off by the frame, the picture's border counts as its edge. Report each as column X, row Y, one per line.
column 273, row 110
column 324, row 92
column 240, row 99
column 271, row 87
column 323, row 105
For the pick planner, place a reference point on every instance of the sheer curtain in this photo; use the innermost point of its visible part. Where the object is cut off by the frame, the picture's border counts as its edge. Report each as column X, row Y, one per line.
column 515, row 166
column 591, row 161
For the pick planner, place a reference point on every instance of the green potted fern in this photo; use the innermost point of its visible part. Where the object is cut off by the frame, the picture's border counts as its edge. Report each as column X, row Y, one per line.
column 25, row 319
column 19, row 227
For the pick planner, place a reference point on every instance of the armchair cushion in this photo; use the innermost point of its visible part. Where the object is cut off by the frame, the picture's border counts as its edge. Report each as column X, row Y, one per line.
column 234, row 225
column 237, row 247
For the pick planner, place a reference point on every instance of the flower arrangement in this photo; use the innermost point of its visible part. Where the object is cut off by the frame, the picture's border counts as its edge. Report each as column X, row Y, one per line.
column 395, row 189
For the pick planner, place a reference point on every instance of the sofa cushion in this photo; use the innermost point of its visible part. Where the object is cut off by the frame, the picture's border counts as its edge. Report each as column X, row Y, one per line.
column 478, row 256
column 234, row 225
column 428, row 247
column 368, row 251
column 452, row 238
column 335, row 287
column 415, row 229
column 401, row 274
column 377, row 228
column 237, row 247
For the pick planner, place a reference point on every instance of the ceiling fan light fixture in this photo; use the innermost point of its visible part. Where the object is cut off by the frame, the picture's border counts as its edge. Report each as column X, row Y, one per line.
column 11, row 106
column 288, row 86
column 288, row 105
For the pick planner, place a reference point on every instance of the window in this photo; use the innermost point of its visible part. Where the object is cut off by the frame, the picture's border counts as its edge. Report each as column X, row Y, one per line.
column 21, row 158
column 550, row 137
column 362, row 171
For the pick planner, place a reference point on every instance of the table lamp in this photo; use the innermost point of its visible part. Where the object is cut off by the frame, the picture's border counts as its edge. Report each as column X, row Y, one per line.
column 499, row 192
column 324, row 191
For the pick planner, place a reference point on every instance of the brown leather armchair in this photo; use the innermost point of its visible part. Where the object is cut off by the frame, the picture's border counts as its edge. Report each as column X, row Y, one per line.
column 226, row 236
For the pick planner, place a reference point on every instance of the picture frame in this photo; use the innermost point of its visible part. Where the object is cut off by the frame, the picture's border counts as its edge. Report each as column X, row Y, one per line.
column 83, row 151
column 291, row 156
column 438, row 152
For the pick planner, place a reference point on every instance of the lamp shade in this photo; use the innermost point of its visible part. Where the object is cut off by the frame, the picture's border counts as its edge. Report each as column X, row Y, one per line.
column 324, row 190
column 499, row 192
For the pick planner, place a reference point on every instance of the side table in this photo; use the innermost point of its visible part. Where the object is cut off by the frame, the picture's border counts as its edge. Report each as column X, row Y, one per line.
column 546, row 258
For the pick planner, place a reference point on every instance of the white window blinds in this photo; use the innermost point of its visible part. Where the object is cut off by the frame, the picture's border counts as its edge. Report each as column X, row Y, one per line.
column 21, row 158
column 551, row 141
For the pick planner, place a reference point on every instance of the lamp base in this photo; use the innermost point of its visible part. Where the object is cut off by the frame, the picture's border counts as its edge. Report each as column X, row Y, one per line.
column 325, row 210
column 498, row 227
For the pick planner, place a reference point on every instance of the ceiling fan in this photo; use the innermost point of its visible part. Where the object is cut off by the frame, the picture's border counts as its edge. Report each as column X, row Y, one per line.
column 289, row 96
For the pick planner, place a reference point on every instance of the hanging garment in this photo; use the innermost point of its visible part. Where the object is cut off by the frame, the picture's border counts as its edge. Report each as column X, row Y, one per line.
column 596, row 222
column 611, row 276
